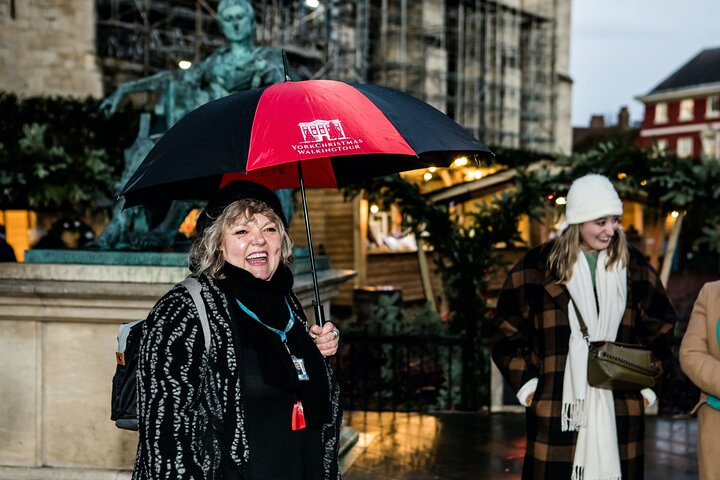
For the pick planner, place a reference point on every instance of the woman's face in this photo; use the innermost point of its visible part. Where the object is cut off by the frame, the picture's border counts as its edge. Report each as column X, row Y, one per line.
column 596, row 234
column 253, row 244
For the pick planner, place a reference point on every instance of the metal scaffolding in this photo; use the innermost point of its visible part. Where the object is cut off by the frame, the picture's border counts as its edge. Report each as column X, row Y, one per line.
column 488, row 64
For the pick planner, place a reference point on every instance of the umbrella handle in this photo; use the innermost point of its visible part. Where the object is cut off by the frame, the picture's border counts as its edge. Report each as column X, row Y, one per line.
column 319, row 313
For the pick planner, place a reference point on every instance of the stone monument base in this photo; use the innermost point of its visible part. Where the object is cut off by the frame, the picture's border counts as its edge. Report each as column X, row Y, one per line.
column 300, row 265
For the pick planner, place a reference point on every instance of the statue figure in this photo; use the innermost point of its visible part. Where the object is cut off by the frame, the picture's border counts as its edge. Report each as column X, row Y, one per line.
column 239, row 66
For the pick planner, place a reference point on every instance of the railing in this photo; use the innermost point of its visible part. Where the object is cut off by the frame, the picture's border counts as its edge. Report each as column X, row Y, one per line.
column 380, row 372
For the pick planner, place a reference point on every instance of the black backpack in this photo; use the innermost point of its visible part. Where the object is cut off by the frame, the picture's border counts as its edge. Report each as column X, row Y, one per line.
column 124, row 384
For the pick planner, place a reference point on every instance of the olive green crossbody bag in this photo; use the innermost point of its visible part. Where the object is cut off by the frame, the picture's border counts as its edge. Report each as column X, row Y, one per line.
column 619, row 366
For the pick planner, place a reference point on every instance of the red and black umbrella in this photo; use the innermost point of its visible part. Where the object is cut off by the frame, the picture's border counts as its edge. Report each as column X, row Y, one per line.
column 314, row 133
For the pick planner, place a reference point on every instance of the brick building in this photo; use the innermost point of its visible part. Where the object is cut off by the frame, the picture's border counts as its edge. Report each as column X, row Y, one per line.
column 682, row 113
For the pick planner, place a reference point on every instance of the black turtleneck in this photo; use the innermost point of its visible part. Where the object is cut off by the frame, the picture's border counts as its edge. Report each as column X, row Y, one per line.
column 264, row 297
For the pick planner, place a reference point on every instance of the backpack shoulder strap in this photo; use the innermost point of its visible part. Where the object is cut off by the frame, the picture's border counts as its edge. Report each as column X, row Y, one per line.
column 194, row 287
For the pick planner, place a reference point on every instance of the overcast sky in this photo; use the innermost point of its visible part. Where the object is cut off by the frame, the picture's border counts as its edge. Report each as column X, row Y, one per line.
column 624, row 48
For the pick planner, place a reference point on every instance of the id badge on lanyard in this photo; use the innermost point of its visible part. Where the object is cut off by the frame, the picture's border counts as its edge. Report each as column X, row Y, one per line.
column 300, row 368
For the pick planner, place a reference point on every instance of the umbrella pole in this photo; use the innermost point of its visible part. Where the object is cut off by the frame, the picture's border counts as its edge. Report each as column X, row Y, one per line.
column 318, row 307
column 286, row 68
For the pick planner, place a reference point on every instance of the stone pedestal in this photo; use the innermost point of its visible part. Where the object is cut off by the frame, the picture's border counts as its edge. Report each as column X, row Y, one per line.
column 58, row 328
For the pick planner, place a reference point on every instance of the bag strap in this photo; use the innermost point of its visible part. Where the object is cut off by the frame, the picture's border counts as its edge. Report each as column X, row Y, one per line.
column 194, row 287
column 583, row 327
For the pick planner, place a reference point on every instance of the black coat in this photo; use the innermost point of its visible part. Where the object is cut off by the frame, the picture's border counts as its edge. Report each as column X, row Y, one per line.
column 185, row 395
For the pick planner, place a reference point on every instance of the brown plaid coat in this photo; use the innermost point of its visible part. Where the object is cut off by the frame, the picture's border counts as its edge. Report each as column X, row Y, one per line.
column 531, row 339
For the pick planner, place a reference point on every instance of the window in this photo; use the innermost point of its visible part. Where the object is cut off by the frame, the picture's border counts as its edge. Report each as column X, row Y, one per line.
column 709, row 140
column 713, row 106
column 378, row 226
column 661, row 145
column 686, row 109
column 385, row 232
column 709, row 147
column 661, row 113
column 684, row 147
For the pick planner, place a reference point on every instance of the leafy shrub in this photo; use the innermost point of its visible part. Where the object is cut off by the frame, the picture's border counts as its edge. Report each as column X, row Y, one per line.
column 60, row 154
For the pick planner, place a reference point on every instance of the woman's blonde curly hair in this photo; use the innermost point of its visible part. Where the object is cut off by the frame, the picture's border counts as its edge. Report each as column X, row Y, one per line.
column 205, row 256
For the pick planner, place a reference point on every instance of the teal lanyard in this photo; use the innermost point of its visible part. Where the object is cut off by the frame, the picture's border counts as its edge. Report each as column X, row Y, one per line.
column 283, row 334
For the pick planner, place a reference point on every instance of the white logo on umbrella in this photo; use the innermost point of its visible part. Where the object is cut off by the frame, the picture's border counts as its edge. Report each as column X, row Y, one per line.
column 319, row 130
column 325, row 136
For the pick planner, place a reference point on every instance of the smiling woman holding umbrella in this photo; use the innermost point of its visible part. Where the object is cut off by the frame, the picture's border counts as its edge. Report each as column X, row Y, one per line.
column 262, row 402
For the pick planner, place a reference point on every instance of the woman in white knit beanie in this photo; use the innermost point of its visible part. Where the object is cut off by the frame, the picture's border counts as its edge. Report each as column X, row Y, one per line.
column 576, row 431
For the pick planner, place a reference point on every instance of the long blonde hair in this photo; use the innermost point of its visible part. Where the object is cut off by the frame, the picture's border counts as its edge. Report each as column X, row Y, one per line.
column 205, row 255
column 566, row 248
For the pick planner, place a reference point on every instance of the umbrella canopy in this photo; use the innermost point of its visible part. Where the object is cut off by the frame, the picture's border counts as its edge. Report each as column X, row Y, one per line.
column 341, row 132
column 314, row 133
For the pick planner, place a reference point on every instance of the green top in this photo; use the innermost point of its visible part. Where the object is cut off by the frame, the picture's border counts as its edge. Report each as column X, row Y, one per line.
column 592, row 258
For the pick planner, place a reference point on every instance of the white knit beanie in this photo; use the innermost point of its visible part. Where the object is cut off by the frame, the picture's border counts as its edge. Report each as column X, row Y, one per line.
column 591, row 197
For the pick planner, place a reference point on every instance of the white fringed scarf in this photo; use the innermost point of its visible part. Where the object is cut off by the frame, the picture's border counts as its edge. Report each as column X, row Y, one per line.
column 591, row 411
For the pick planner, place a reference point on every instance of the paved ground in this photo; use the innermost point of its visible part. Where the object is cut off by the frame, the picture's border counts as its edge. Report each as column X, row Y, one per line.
column 450, row 446
column 487, row 447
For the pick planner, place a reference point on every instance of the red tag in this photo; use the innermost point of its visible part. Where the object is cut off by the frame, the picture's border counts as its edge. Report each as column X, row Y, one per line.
column 298, row 417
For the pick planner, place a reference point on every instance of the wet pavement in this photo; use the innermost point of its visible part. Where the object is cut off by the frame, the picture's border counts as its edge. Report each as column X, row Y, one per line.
column 454, row 446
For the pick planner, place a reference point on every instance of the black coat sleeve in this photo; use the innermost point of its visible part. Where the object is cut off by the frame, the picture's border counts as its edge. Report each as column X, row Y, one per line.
column 511, row 341
column 169, row 384
column 656, row 315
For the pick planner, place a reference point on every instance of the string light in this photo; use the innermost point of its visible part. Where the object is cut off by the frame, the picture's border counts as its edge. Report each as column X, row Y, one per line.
column 184, row 64
column 461, row 162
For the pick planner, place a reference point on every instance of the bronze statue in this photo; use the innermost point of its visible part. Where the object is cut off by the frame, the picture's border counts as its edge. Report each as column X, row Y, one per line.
column 241, row 65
